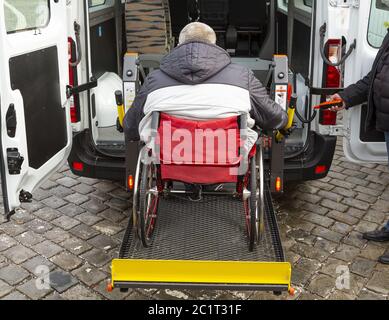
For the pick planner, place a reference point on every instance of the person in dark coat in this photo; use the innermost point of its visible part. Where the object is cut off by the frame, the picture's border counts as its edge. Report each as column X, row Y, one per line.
column 374, row 88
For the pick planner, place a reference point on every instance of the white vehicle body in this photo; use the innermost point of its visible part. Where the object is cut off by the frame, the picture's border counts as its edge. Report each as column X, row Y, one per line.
column 51, row 24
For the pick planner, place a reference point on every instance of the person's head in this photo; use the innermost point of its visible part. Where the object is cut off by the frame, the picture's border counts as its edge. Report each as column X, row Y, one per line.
column 197, row 31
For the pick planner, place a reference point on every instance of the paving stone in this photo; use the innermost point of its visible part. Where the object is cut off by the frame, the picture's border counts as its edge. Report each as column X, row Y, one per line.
column 308, row 197
column 71, row 210
column 37, row 262
column 47, row 248
column 39, row 226
column 352, row 202
column 31, row 290
column 381, row 205
column 355, row 239
column 366, row 198
column 89, row 275
column 370, row 295
column 84, row 232
column 379, row 283
column 346, row 252
column 6, row 242
column 57, row 235
column 19, row 254
column 96, row 257
column 365, row 226
column 102, row 242
column 357, row 181
column 48, row 185
column 121, row 193
column 303, row 270
column 328, row 246
column 12, row 229
column 77, row 198
column 40, row 194
column 4, row 288
column 61, row 280
column 13, row 274
column 29, row 238
column 76, row 246
column 108, row 228
column 315, row 208
column 332, row 267
column 327, row 234
column 32, row 206
column 341, row 228
column 22, row 216
column 101, row 196
column 368, row 191
column 310, row 252
column 334, row 205
column 83, row 189
column 363, row 267
column 88, row 218
column 61, row 191
column 372, row 252
column 340, row 296
column 336, row 197
column 47, row 214
column 66, row 222
column 356, row 213
column 88, row 181
column 66, row 261
column 94, row 206
column 375, row 216
column 80, row 292
column 54, row 202
column 105, row 186
column 322, row 285
column 67, row 182
column 319, row 220
column 343, row 193
column 16, row 295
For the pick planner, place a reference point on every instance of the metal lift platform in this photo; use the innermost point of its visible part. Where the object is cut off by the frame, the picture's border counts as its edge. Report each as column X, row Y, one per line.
column 202, row 245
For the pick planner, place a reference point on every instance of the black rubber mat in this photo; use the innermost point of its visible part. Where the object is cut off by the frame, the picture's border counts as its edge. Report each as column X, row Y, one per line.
column 213, row 229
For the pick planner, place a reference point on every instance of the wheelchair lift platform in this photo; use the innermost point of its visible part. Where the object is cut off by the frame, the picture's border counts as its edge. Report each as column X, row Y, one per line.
column 203, row 245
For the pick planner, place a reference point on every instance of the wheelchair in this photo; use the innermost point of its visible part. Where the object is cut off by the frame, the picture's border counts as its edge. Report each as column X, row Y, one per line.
column 158, row 170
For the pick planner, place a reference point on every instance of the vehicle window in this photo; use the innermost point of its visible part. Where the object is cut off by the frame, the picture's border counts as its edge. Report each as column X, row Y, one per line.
column 95, row 3
column 26, row 14
column 379, row 22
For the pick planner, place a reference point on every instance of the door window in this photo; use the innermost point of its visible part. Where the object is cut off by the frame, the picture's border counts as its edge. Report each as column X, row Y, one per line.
column 26, row 14
column 379, row 22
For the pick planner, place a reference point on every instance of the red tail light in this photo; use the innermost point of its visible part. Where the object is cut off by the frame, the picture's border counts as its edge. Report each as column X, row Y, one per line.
column 74, row 100
column 78, row 166
column 333, row 78
column 320, row 170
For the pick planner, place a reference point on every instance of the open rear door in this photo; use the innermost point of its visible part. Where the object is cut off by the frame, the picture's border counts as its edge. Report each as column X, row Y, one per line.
column 369, row 27
column 35, row 119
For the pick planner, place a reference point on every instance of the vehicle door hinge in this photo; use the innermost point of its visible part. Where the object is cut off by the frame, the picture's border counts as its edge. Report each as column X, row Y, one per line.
column 345, row 3
column 70, row 91
column 25, row 197
column 14, row 161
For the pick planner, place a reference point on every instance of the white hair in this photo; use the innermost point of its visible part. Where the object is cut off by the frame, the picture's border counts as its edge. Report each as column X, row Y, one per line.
column 197, row 31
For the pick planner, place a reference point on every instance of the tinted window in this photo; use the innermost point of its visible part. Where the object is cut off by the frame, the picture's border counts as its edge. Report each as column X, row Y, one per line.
column 26, row 14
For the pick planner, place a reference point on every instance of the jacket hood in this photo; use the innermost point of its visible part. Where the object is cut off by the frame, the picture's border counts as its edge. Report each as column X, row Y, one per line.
column 195, row 62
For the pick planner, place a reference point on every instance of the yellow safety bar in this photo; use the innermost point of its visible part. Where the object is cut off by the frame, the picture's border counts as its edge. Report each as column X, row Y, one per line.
column 291, row 113
column 120, row 106
column 201, row 273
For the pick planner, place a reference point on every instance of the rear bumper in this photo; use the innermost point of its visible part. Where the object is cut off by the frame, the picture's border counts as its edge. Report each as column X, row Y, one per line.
column 320, row 152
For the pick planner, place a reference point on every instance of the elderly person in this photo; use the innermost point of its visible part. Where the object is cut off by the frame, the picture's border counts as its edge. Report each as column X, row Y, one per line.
column 374, row 89
column 198, row 81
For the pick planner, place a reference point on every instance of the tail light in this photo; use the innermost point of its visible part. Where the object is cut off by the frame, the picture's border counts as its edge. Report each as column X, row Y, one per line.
column 332, row 78
column 74, row 100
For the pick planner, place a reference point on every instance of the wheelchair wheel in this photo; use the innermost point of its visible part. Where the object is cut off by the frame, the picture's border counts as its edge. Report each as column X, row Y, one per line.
column 261, row 197
column 251, row 206
column 148, row 204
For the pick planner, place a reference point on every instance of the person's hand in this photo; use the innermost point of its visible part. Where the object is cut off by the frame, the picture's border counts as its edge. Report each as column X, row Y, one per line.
column 337, row 97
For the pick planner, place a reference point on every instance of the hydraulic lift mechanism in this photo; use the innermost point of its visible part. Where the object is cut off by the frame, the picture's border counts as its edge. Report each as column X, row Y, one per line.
column 202, row 245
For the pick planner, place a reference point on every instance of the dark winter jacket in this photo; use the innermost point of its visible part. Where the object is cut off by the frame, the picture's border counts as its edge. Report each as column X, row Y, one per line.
column 373, row 89
column 198, row 81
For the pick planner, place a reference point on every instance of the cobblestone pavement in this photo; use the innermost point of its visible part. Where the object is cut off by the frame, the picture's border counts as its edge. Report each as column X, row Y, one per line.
column 74, row 227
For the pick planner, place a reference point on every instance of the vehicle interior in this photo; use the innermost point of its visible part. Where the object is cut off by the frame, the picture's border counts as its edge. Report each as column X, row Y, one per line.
column 243, row 30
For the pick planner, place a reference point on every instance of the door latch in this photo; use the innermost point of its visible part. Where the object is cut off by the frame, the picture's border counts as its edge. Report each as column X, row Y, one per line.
column 14, row 161
column 71, row 91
